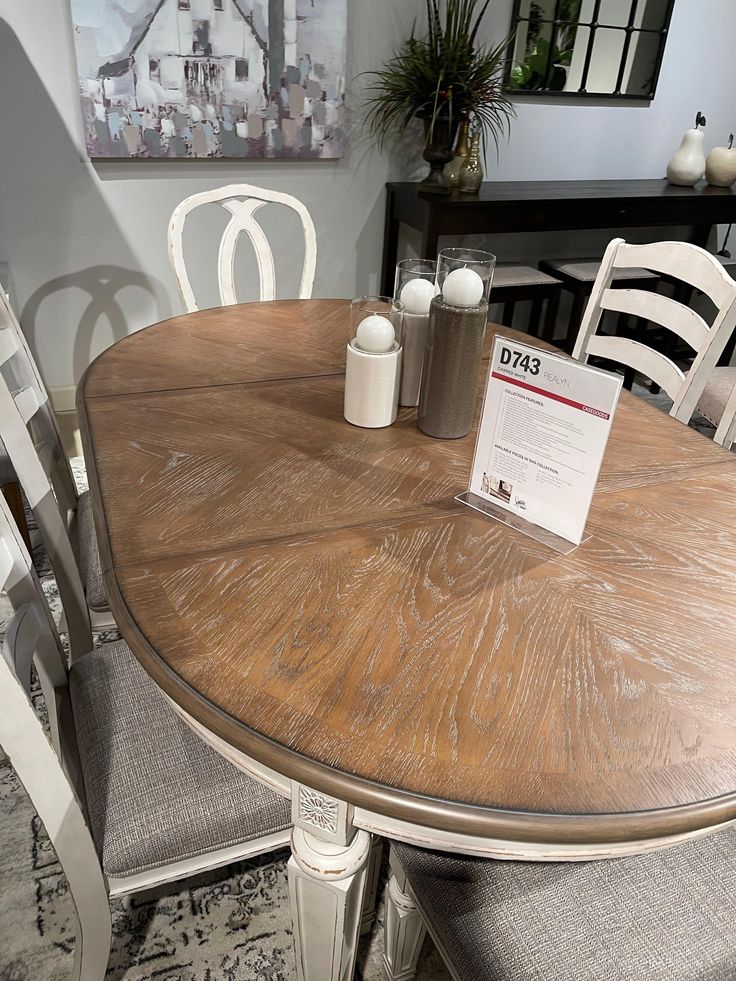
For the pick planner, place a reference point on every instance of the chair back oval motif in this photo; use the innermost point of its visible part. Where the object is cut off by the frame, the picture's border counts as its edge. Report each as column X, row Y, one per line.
column 243, row 201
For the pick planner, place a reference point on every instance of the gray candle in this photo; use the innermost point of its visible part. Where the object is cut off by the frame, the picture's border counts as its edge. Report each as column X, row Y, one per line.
column 451, row 366
column 416, row 326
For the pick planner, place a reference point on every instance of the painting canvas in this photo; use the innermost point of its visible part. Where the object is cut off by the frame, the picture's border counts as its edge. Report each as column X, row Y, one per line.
column 211, row 78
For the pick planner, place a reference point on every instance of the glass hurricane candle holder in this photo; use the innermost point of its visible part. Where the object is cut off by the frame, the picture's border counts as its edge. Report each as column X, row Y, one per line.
column 373, row 365
column 457, row 325
column 415, row 288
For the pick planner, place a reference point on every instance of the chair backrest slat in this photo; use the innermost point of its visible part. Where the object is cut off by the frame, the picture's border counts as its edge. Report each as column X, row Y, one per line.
column 31, row 437
column 27, row 404
column 25, row 382
column 19, row 644
column 242, row 201
column 659, row 309
column 680, row 260
column 14, row 348
column 8, row 343
column 31, row 635
column 39, row 491
column 652, row 364
column 694, row 267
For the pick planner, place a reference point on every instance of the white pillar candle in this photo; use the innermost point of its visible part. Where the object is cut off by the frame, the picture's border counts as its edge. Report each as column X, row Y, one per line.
column 417, row 296
column 463, row 288
column 375, row 335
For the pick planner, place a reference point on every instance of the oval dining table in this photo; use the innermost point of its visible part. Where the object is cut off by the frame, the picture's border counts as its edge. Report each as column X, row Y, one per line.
column 316, row 605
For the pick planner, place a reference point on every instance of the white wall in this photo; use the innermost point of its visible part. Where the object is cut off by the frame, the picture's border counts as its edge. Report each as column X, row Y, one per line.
column 86, row 245
column 564, row 140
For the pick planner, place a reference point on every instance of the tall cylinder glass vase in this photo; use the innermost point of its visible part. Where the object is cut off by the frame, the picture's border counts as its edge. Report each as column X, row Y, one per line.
column 457, row 326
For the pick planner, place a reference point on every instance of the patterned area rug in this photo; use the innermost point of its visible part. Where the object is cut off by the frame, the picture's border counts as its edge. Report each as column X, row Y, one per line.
column 228, row 925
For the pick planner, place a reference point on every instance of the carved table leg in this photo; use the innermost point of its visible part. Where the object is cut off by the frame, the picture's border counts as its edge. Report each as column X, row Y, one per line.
column 403, row 930
column 370, row 898
column 327, row 878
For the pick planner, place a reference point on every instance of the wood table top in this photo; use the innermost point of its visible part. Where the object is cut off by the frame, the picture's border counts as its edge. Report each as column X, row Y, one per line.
column 311, row 592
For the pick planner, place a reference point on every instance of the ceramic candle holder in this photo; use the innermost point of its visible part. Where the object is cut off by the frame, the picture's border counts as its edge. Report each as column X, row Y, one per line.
column 415, row 287
column 373, row 362
column 457, row 327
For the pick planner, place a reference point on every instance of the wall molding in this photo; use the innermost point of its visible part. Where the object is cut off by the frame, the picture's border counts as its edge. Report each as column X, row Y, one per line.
column 63, row 398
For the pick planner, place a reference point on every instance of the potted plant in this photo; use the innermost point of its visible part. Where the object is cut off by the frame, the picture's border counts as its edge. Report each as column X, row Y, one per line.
column 442, row 78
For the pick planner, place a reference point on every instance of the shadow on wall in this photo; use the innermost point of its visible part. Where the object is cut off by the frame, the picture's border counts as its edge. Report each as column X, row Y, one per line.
column 55, row 226
column 101, row 284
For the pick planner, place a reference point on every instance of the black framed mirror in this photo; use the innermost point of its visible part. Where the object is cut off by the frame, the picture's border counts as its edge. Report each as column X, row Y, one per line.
column 606, row 49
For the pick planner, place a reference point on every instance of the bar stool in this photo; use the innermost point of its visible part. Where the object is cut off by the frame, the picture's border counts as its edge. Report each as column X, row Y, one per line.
column 577, row 277
column 514, row 284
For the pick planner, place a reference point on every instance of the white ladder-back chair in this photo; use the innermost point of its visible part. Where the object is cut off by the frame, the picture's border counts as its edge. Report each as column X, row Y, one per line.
column 108, row 784
column 682, row 261
column 242, row 201
column 718, row 404
column 33, row 444
column 726, row 431
column 28, row 431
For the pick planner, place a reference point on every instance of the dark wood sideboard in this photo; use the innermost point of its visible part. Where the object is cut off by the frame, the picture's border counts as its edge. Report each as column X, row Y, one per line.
column 535, row 206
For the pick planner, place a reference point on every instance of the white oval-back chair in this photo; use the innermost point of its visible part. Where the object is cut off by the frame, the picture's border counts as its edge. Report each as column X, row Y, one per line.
column 243, row 201
column 681, row 261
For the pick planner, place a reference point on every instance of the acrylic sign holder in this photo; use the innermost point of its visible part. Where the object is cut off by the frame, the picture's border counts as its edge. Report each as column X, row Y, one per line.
column 541, row 535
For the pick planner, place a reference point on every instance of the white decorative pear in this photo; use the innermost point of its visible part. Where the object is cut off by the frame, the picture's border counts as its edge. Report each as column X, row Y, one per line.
column 720, row 167
column 688, row 165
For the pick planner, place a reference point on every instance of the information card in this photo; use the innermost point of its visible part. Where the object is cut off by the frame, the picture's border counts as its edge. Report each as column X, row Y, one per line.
column 542, row 436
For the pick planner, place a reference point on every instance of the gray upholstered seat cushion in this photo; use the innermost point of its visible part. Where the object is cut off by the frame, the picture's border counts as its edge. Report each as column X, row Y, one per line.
column 587, row 269
column 666, row 916
column 716, row 394
column 90, row 567
column 509, row 274
column 156, row 793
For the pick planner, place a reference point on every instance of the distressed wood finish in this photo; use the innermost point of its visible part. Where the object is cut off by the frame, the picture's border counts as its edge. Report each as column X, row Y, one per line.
column 311, row 594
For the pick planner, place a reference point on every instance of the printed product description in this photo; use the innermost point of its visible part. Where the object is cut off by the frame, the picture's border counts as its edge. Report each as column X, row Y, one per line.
column 543, row 432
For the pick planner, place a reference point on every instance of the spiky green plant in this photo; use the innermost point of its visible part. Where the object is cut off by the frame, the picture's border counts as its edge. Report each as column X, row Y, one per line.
column 444, row 73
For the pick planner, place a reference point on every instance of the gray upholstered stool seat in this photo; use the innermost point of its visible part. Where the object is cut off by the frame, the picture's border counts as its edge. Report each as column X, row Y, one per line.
column 658, row 917
column 716, row 394
column 585, row 270
column 509, row 274
column 90, row 567
column 156, row 793
column 514, row 283
column 577, row 277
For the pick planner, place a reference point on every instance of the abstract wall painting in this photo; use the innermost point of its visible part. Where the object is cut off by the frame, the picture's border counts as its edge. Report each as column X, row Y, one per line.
column 212, row 78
